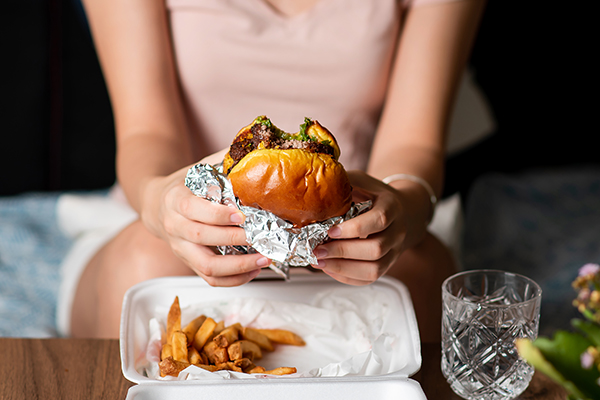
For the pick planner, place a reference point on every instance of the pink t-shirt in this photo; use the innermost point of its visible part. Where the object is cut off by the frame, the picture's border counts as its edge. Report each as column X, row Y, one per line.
column 238, row 59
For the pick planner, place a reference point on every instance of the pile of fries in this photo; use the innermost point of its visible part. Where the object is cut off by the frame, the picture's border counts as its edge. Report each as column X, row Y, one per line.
column 213, row 346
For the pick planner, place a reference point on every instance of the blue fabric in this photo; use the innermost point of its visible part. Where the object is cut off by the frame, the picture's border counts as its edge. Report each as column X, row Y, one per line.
column 31, row 250
column 542, row 224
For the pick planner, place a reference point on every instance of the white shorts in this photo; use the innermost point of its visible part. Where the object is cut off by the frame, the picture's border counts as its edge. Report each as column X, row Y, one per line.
column 91, row 221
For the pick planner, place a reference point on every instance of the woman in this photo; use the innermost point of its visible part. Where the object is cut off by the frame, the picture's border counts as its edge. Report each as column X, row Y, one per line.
column 185, row 75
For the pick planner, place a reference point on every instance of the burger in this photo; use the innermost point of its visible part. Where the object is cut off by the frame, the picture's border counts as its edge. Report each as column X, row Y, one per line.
column 295, row 176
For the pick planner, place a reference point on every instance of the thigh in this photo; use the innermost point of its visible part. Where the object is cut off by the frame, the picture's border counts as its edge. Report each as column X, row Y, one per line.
column 422, row 269
column 133, row 256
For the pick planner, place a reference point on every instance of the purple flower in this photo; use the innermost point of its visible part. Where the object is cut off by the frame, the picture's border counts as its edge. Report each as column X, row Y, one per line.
column 587, row 360
column 584, row 295
column 589, row 269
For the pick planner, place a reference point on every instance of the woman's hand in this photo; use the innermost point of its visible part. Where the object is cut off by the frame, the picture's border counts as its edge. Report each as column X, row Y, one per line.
column 365, row 247
column 193, row 226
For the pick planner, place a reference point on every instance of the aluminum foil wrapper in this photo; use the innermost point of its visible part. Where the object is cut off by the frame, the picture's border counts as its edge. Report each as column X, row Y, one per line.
column 266, row 233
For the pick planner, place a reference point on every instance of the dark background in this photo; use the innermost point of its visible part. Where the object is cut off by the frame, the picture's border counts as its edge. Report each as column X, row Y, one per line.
column 531, row 60
column 57, row 122
column 534, row 62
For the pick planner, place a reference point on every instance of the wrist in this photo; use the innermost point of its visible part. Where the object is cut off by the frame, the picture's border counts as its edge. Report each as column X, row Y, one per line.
column 149, row 195
column 399, row 181
column 415, row 208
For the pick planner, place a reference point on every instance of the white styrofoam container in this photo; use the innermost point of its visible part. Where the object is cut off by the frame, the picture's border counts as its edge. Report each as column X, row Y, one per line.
column 140, row 302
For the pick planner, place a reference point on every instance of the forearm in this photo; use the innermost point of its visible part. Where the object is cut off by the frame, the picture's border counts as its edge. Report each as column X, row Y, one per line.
column 432, row 53
column 133, row 44
column 143, row 157
column 435, row 43
column 422, row 162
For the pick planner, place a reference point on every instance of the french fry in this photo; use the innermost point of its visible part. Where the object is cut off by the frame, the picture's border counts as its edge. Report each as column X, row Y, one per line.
column 173, row 319
column 227, row 336
column 172, row 367
column 220, row 326
column 194, row 356
column 237, row 325
column 244, row 349
column 166, row 351
column 281, row 371
column 212, row 346
column 205, row 331
column 244, row 364
column 208, row 367
column 204, row 359
column 215, row 354
column 282, row 336
column 220, row 355
column 255, row 336
column 228, row 366
column 191, row 328
column 256, row 370
column 179, row 346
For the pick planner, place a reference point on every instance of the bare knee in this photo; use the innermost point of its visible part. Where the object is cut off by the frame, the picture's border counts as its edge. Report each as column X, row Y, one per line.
column 133, row 256
column 145, row 256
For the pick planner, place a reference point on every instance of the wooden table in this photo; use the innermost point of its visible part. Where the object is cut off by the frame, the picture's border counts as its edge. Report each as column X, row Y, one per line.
column 91, row 369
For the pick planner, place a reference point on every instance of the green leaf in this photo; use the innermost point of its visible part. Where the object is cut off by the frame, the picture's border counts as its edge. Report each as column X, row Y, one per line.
column 303, row 127
column 591, row 329
column 534, row 357
column 564, row 352
column 263, row 120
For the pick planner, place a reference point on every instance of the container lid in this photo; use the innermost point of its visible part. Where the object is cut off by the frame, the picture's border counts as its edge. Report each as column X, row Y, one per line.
column 383, row 389
column 141, row 302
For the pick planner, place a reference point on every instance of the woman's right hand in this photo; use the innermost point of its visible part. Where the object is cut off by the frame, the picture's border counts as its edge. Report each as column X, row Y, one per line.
column 193, row 226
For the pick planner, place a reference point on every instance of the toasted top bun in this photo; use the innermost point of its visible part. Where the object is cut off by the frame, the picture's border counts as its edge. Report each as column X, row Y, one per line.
column 296, row 185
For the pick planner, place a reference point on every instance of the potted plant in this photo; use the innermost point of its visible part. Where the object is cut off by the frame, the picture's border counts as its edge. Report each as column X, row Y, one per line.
column 572, row 358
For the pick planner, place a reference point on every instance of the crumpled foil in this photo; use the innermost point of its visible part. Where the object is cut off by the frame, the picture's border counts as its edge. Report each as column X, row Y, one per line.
column 266, row 233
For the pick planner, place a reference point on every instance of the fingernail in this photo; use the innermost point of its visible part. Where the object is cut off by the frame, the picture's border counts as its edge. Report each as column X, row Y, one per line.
column 320, row 253
column 263, row 262
column 237, row 218
column 335, row 232
column 320, row 264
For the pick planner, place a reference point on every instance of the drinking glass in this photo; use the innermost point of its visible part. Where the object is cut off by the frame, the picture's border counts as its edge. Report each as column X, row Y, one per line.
column 484, row 311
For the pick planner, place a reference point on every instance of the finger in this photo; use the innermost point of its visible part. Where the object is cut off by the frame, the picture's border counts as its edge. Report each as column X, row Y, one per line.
column 359, row 195
column 210, row 265
column 384, row 211
column 202, row 210
column 386, row 208
column 373, row 248
column 230, row 281
column 350, row 270
column 346, row 280
column 360, row 180
column 359, row 270
column 209, row 235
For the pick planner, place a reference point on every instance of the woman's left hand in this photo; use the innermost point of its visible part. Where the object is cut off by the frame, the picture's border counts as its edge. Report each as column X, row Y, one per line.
column 365, row 247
